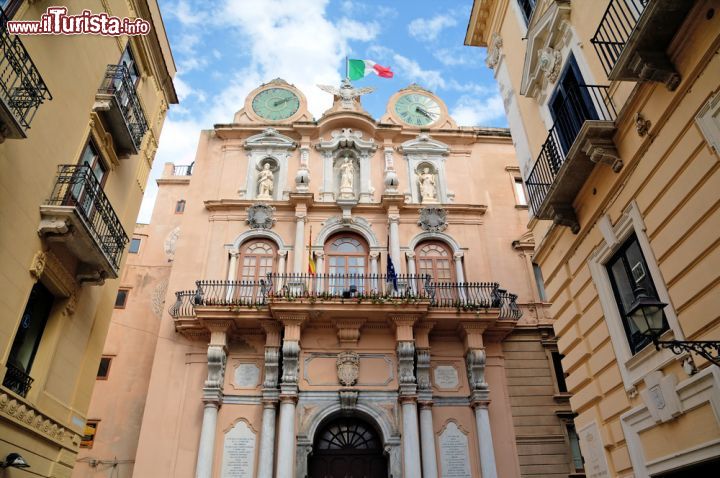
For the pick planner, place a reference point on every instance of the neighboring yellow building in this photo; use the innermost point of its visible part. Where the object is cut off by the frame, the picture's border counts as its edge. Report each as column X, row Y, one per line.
column 613, row 108
column 80, row 118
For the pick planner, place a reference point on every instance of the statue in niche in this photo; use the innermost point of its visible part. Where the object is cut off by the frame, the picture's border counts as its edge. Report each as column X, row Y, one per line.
column 428, row 187
column 347, row 177
column 265, row 182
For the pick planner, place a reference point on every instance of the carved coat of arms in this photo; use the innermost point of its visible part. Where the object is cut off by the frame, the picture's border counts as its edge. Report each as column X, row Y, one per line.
column 348, row 368
column 260, row 216
column 433, row 219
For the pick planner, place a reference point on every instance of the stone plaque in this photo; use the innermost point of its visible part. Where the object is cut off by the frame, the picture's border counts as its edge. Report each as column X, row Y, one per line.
column 446, row 377
column 454, row 453
column 239, row 452
column 593, row 451
column 247, row 375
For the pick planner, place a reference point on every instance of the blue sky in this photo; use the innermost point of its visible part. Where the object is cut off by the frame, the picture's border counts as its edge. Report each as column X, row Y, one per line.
column 225, row 48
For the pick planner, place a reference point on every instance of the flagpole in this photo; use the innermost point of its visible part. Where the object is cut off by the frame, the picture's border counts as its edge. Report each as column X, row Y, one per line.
column 347, row 66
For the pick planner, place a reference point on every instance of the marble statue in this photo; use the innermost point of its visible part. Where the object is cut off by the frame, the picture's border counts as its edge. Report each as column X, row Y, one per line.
column 428, row 189
column 265, row 183
column 347, row 177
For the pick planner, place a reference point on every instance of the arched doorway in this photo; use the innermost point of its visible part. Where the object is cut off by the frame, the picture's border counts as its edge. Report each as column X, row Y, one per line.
column 347, row 447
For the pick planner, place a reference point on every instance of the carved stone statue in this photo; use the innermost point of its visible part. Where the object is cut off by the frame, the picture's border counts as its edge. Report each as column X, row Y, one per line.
column 265, row 183
column 347, row 177
column 428, row 188
column 346, row 93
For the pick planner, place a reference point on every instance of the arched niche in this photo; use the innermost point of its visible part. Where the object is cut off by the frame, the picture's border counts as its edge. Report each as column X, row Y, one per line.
column 267, row 148
column 425, row 152
column 346, row 140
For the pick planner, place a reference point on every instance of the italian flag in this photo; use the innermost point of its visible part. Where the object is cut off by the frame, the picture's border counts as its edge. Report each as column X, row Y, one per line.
column 361, row 68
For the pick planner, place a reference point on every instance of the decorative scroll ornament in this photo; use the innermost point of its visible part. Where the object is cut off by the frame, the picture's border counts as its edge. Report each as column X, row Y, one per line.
column 550, row 61
column 38, row 264
column 260, row 216
column 433, row 219
column 348, row 368
column 493, row 51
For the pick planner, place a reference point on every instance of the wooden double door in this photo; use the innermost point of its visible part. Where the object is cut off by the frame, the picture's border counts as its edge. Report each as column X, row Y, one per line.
column 347, row 448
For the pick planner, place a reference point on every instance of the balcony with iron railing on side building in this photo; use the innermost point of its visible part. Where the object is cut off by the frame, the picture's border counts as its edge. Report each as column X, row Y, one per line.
column 581, row 136
column 633, row 37
column 118, row 104
column 17, row 380
column 333, row 289
column 79, row 216
column 22, row 89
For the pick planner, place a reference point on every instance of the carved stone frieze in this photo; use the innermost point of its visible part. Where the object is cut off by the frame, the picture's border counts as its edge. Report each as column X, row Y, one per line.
column 27, row 417
column 260, row 216
column 550, row 61
column 433, row 219
column 348, row 368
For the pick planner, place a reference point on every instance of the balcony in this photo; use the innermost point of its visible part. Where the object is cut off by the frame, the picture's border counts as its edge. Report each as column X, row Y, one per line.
column 17, row 380
column 183, row 170
column 22, row 89
column 581, row 136
column 117, row 102
column 79, row 216
column 373, row 289
column 633, row 37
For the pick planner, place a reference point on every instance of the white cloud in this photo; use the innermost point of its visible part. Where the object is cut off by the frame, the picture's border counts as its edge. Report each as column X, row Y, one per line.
column 456, row 56
column 474, row 111
column 429, row 29
column 412, row 70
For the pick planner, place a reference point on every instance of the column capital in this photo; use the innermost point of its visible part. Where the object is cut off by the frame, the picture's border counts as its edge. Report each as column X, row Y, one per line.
column 458, row 255
column 403, row 324
column 411, row 399
column 374, row 255
column 282, row 253
column 472, row 334
column 300, row 216
column 393, row 218
column 234, row 253
column 424, row 404
column 410, row 254
column 288, row 398
column 320, row 254
column 272, row 332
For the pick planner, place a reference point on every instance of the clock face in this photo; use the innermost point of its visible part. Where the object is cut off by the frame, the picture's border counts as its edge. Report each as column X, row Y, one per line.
column 275, row 104
column 417, row 110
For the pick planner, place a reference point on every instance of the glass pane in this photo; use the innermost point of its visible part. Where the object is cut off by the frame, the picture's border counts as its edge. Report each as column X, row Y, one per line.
column 623, row 286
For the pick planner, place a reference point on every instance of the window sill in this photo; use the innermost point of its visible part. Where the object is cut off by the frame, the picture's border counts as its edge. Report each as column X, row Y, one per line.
column 648, row 360
column 521, row 206
column 563, row 397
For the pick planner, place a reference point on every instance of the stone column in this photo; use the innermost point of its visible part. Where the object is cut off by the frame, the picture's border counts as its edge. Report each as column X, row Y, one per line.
column 394, row 221
column 408, row 394
column 282, row 265
column 299, row 249
column 415, row 284
column 479, row 395
column 320, row 269
column 270, row 399
column 212, row 397
column 374, row 255
column 427, row 434
column 232, row 274
column 462, row 293
column 288, row 394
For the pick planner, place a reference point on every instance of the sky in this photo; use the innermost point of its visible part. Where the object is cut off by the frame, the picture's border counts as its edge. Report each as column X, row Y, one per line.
column 223, row 49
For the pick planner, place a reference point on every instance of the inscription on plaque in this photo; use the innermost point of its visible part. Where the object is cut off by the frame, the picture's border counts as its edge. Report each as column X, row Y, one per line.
column 239, row 452
column 454, row 455
column 593, row 451
column 247, row 375
column 446, row 377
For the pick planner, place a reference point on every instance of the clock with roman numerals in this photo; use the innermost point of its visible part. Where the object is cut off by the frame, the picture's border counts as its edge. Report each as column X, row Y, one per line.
column 417, row 109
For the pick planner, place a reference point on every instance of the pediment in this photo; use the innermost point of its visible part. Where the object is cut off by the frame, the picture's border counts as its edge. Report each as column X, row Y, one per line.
column 424, row 144
column 269, row 138
column 546, row 36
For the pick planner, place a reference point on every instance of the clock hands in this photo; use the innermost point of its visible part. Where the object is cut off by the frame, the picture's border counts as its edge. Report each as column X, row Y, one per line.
column 279, row 102
column 425, row 112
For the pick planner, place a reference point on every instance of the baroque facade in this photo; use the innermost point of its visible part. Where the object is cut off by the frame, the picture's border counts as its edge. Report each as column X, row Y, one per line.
column 613, row 108
column 79, row 122
column 286, row 345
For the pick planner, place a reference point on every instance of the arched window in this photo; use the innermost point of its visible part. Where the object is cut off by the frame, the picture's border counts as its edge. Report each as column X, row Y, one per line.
column 435, row 259
column 346, row 263
column 257, row 260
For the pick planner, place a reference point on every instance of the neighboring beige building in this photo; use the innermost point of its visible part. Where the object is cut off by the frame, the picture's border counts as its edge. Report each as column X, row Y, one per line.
column 614, row 107
column 80, row 117
column 255, row 367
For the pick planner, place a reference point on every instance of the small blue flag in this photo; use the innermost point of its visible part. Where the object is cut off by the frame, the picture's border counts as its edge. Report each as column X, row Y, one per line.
column 391, row 275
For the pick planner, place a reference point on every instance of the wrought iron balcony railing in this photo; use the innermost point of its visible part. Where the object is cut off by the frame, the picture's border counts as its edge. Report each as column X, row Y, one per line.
column 374, row 288
column 17, row 380
column 583, row 103
column 118, row 83
column 77, row 186
column 183, row 170
column 615, row 28
column 22, row 89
